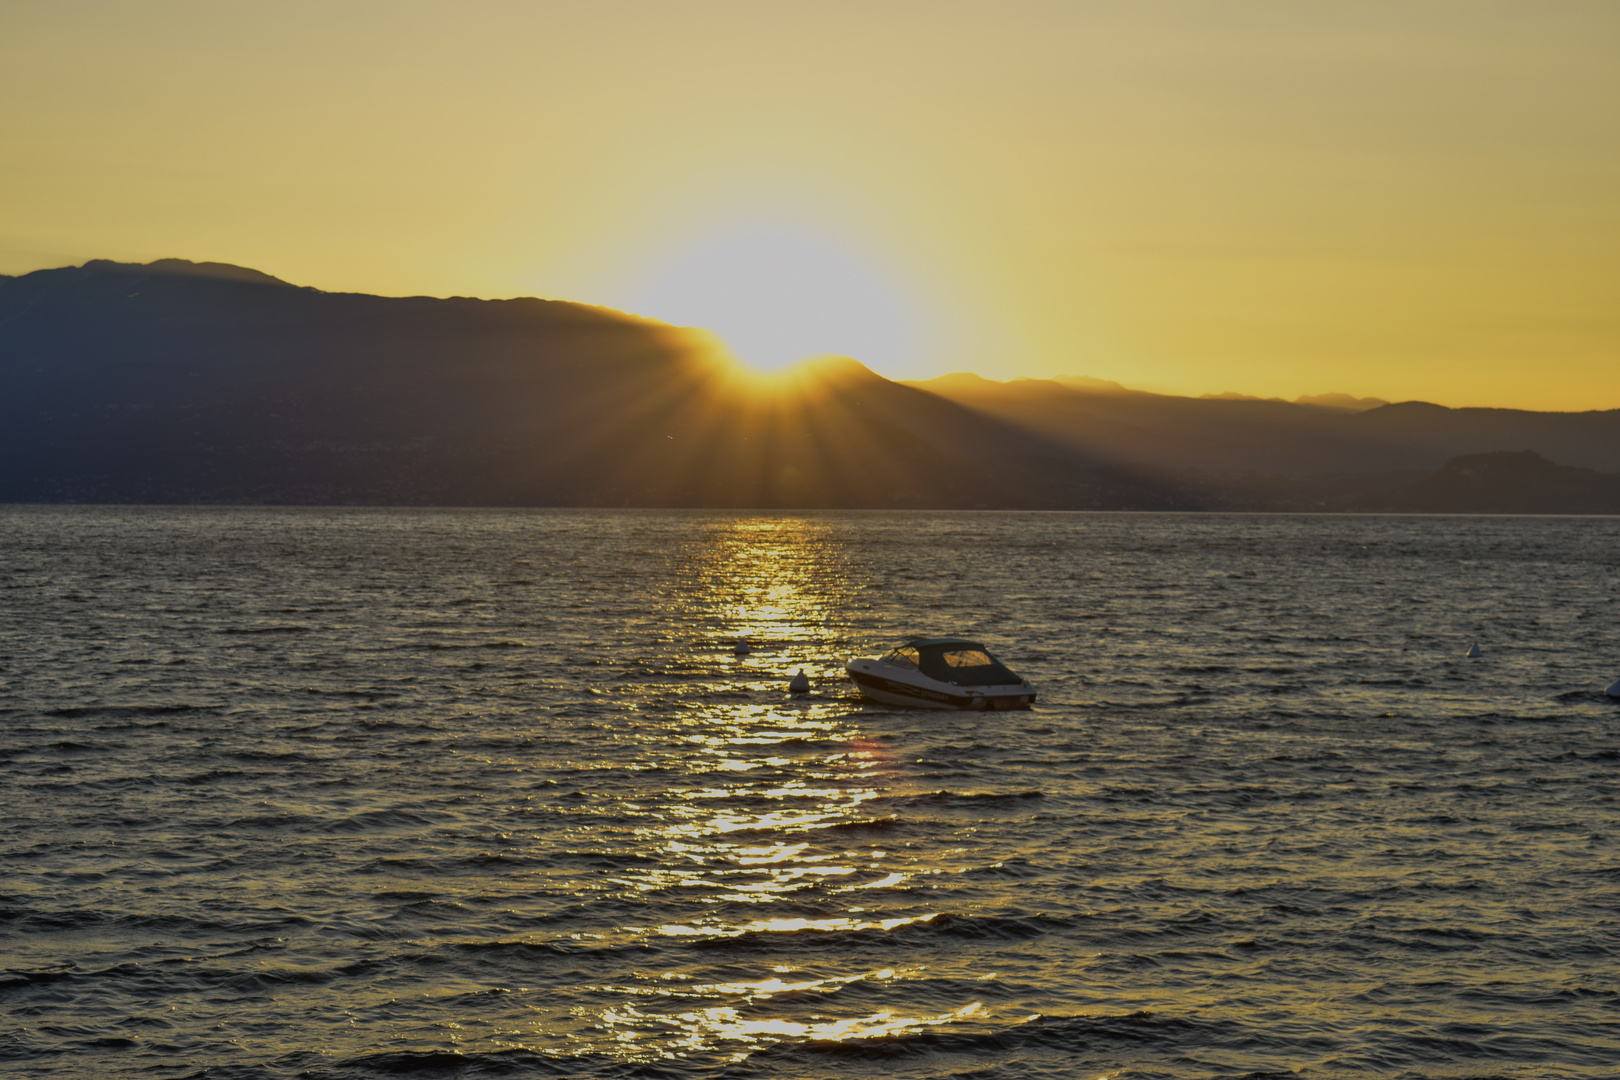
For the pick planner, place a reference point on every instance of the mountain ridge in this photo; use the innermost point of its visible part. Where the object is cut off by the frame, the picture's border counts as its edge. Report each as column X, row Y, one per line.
column 1258, row 435
column 191, row 382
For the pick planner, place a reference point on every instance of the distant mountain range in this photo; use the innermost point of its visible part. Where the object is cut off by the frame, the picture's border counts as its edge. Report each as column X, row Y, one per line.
column 180, row 382
column 1274, row 436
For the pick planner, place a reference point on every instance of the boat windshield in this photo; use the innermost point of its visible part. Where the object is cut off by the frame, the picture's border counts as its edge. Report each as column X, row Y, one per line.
column 964, row 665
column 905, row 656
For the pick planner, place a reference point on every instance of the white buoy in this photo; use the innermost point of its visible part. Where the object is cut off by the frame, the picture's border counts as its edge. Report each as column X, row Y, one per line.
column 1474, row 650
column 1614, row 689
column 800, row 683
column 741, row 648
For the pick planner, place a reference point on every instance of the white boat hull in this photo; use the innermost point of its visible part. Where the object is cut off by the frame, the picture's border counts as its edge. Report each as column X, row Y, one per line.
column 886, row 685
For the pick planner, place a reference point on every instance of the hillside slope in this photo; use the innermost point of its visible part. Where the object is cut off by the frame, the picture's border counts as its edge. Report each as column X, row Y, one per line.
column 183, row 382
column 1276, row 436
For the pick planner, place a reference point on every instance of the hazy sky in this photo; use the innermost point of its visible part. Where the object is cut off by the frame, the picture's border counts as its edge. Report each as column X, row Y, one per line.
column 1409, row 200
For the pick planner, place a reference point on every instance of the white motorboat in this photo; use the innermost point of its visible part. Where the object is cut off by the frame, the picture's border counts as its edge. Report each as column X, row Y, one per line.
column 941, row 673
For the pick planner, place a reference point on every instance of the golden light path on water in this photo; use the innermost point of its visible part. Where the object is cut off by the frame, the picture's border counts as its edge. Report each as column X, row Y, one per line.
column 756, row 839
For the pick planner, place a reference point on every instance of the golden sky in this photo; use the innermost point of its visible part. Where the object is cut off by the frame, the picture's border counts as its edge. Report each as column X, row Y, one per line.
column 1402, row 199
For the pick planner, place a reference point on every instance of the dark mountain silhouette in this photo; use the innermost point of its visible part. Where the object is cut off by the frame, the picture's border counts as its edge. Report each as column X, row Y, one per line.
column 1340, row 401
column 1504, row 482
column 209, row 383
column 1277, row 436
column 184, row 382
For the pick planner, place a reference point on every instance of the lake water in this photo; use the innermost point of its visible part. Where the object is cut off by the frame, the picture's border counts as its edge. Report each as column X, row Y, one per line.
column 362, row 793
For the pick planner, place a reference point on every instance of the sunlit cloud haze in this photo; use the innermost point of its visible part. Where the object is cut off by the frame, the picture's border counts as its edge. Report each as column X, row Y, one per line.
column 1392, row 199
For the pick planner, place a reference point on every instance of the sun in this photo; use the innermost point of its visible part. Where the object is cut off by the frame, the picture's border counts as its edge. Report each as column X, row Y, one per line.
column 777, row 293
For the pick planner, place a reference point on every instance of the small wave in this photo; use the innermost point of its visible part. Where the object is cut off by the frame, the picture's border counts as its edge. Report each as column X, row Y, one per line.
column 977, row 798
column 839, row 934
column 118, row 712
column 213, row 776
column 265, row 821
column 1009, row 868
column 1068, row 1035
column 242, row 630
column 1596, row 696
column 494, row 861
column 542, row 948
column 269, row 980
column 473, row 1066
column 393, row 818
column 17, row 980
column 882, row 824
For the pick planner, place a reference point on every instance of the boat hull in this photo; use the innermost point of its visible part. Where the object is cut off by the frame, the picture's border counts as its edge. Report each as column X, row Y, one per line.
column 917, row 691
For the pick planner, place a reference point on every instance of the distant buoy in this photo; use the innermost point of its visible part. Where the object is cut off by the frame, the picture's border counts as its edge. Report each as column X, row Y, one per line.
column 1474, row 650
column 800, row 683
column 741, row 648
column 1614, row 689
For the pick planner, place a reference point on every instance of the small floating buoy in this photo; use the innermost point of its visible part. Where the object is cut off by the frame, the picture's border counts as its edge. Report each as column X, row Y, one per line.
column 741, row 648
column 1614, row 689
column 800, row 683
column 1474, row 650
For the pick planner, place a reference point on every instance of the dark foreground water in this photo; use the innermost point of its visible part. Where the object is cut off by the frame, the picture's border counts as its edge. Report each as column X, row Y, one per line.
column 366, row 793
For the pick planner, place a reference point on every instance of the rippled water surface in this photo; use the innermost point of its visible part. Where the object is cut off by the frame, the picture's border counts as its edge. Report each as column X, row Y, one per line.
column 361, row 793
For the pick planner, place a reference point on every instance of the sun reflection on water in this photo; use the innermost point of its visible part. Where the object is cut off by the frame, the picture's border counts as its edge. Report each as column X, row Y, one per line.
column 768, row 804
column 704, row 1029
column 775, row 581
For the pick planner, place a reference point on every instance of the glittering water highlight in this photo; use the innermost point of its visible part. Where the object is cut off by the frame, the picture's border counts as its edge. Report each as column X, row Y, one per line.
column 357, row 793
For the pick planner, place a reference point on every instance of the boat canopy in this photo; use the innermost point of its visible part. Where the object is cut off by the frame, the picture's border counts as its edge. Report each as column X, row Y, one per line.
column 953, row 660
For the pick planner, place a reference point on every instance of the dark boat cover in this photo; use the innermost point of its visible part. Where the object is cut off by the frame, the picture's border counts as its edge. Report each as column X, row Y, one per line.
column 952, row 660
